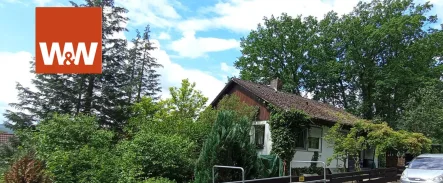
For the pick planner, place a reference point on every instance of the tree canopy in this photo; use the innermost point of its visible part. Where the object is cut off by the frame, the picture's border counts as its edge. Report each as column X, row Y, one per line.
column 367, row 61
column 424, row 112
column 365, row 134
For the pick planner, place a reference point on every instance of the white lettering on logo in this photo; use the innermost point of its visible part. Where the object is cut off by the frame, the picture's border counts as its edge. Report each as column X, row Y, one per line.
column 68, row 55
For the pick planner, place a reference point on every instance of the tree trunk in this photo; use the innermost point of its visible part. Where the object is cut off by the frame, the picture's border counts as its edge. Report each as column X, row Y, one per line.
column 89, row 94
column 79, row 98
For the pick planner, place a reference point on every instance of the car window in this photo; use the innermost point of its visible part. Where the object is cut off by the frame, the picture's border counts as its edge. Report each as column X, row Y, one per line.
column 428, row 163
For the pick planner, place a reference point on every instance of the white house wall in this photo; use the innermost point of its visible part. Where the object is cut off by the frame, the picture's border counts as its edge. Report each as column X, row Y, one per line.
column 325, row 152
column 301, row 155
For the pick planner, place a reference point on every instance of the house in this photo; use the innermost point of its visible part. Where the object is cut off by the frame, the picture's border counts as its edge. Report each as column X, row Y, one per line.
column 323, row 115
column 5, row 134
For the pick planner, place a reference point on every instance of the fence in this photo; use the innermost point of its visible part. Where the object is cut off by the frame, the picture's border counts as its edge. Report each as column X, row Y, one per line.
column 381, row 175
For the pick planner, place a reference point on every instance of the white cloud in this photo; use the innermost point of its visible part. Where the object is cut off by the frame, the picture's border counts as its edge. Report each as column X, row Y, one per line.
column 164, row 36
column 224, row 67
column 158, row 13
column 173, row 73
column 192, row 47
column 14, row 67
column 236, row 15
column 42, row 2
column 229, row 70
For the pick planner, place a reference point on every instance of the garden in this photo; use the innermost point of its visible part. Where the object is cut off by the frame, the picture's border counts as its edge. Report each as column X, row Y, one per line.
column 179, row 140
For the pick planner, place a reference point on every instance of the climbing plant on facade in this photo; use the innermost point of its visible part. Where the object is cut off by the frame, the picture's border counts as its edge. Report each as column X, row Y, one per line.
column 365, row 134
column 285, row 127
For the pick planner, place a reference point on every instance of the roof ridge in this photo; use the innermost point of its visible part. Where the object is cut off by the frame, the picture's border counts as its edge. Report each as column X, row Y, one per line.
column 288, row 100
column 287, row 93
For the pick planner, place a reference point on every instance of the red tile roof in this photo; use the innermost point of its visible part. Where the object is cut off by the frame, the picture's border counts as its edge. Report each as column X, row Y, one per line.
column 285, row 100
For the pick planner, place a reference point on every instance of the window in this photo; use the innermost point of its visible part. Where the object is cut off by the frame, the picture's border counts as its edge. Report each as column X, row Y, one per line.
column 301, row 141
column 259, row 134
column 314, row 139
column 310, row 140
column 427, row 163
column 314, row 143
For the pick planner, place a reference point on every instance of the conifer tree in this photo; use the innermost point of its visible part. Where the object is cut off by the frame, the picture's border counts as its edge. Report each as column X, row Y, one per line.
column 148, row 78
column 229, row 143
column 105, row 95
column 145, row 81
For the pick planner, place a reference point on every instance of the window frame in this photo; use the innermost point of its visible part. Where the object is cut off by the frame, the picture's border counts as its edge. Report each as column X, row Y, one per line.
column 319, row 137
column 307, row 135
column 257, row 145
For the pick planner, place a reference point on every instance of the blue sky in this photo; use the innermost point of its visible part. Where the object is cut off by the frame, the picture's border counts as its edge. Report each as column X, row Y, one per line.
column 197, row 39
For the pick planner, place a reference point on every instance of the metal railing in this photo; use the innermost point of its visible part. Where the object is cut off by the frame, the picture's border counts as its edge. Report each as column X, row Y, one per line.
column 229, row 167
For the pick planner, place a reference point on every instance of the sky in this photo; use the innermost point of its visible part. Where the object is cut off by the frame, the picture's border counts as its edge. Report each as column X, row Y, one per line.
column 195, row 39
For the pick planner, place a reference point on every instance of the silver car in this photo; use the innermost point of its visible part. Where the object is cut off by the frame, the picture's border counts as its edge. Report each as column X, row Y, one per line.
column 426, row 168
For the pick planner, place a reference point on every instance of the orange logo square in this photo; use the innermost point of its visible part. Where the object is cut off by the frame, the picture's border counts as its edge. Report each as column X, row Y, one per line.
column 68, row 40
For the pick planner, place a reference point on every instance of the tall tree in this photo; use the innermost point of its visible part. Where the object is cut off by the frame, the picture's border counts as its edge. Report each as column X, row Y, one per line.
column 104, row 95
column 424, row 112
column 148, row 78
column 276, row 49
column 367, row 61
column 142, row 68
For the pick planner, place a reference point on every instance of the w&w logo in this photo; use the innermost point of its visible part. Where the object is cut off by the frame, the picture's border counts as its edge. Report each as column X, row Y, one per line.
column 75, row 49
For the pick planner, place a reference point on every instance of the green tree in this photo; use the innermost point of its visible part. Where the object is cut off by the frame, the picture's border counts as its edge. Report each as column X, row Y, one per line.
column 424, row 112
column 75, row 149
column 365, row 61
column 349, row 142
column 144, row 78
column 126, row 77
column 186, row 101
column 229, row 143
column 156, row 118
column 276, row 49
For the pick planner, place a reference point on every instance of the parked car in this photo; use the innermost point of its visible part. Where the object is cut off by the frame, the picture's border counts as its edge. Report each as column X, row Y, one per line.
column 424, row 168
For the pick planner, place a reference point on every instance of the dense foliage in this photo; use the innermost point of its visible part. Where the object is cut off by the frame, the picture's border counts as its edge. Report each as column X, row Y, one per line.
column 229, row 144
column 128, row 75
column 286, row 126
column 186, row 102
column 75, row 149
column 424, row 113
column 151, row 154
column 367, row 61
column 363, row 135
column 380, row 61
column 8, row 154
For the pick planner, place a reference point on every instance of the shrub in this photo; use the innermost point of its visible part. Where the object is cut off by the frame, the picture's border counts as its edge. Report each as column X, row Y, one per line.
column 158, row 180
column 151, row 154
column 27, row 170
column 76, row 149
column 229, row 143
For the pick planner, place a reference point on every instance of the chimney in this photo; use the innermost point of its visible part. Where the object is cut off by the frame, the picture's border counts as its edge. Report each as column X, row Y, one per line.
column 276, row 84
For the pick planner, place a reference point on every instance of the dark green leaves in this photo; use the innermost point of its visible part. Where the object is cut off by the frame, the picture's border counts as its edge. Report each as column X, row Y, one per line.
column 286, row 127
column 367, row 61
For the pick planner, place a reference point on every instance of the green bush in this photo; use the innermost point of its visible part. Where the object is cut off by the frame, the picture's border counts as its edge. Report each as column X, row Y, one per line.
column 76, row 149
column 158, row 180
column 151, row 154
column 229, row 143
